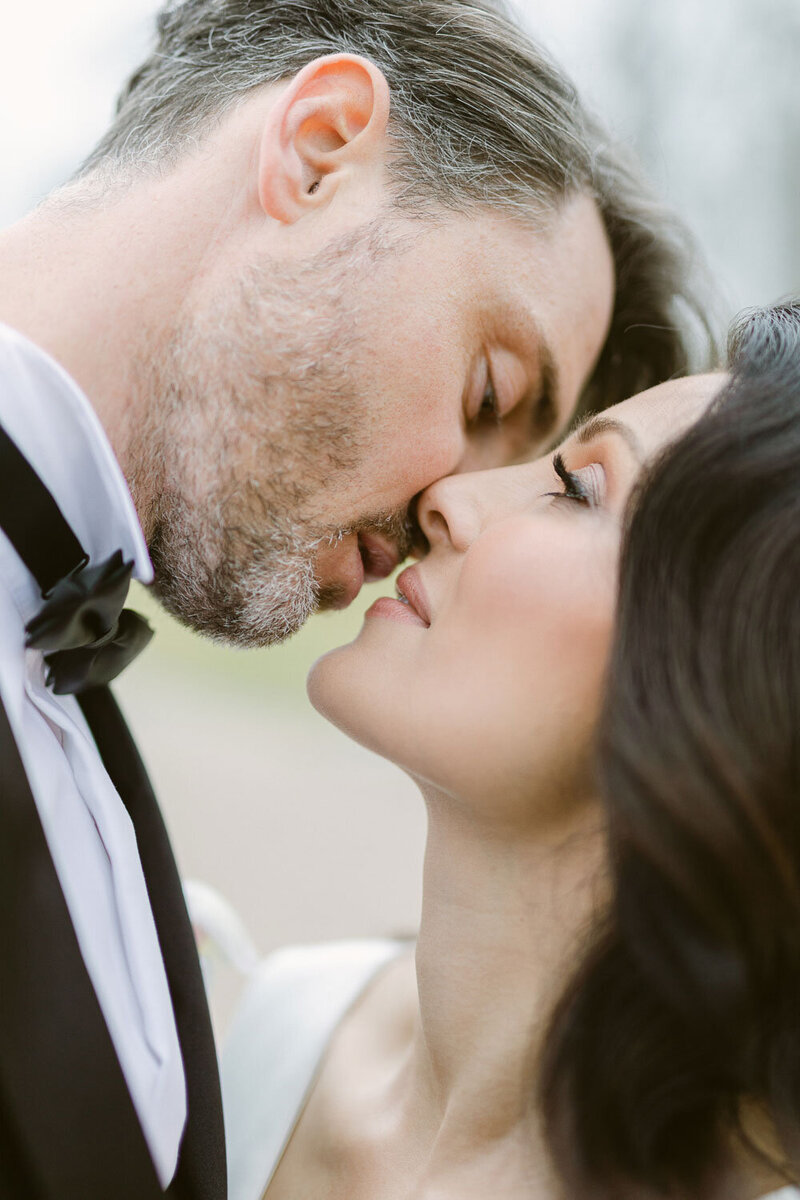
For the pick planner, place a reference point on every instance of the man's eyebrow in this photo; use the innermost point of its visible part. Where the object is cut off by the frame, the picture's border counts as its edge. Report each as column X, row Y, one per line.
column 545, row 410
column 543, row 396
column 594, row 427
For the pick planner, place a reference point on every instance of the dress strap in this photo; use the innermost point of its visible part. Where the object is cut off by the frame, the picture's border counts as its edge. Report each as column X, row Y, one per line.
column 201, row 1173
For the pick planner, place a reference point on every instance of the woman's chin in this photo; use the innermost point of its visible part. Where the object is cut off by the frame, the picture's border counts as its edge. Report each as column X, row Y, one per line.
column 336, row 690
column 338, row 682
column 321, row 682
column 344, row 688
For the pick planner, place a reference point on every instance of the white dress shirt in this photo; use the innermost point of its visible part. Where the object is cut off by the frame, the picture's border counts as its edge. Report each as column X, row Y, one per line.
column 88, row 830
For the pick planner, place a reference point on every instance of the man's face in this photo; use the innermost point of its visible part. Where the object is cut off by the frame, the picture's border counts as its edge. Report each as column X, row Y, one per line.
column 297, row 415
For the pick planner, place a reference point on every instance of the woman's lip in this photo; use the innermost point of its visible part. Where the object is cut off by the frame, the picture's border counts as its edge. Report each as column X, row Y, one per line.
column 395, row 610
column 410, row 585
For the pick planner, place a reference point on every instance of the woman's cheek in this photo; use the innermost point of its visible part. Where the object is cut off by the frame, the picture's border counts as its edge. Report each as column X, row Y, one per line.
column 534, row 579
column 528, row 637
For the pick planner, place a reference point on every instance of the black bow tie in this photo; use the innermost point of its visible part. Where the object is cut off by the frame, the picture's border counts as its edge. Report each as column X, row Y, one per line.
column 86, row 634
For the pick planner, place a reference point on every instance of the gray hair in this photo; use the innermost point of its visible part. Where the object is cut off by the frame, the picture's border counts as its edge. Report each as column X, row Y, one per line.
column 480, row 116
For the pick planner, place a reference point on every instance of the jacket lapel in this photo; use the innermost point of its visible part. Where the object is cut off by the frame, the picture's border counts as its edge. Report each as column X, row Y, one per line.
column 63, row 1097
column 201, row 1171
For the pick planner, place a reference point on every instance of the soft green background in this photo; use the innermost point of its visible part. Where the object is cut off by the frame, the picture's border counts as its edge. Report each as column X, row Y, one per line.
column 280, row 669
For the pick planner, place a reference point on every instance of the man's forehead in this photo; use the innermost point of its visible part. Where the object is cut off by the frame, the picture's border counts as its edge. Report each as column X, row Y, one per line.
column 549, row 260
column 548, row 241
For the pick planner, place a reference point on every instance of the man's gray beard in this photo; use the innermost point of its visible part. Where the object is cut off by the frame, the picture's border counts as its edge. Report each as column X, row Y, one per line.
column 254, row 595
column 247, row 420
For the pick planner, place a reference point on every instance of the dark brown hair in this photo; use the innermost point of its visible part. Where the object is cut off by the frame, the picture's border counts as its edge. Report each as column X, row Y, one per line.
column 689, row 1003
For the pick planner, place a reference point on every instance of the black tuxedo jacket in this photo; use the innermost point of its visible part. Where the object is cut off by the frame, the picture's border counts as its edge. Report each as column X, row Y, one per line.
column 68, row 1128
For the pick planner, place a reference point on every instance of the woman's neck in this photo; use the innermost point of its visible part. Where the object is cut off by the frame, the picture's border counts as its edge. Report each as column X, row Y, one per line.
column 506, row 918
column 429, row 1088
column 505, row 913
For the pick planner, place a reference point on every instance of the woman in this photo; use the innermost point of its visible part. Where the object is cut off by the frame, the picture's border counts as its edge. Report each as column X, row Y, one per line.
column 553, row 1034
column 700, row 761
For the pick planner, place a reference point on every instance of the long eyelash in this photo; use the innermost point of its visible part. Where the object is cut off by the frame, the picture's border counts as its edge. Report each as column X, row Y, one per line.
column 573, row 488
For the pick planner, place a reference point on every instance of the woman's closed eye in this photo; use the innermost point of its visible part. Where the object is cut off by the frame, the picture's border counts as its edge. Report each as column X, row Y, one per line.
column 586, row 486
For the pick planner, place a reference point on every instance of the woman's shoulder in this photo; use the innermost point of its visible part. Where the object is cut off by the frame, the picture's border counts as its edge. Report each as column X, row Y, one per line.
column 298, row 994
column 292, row 1004
column 305, row 989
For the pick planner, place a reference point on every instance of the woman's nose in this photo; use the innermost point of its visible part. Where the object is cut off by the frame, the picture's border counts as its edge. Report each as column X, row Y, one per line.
column 448, row 512
column 455, row 510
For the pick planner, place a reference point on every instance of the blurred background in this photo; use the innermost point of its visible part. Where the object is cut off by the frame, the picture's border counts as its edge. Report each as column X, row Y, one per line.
column 309, row 836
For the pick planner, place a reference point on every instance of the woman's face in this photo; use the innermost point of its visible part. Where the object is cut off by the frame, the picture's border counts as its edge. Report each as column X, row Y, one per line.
column 486, row 685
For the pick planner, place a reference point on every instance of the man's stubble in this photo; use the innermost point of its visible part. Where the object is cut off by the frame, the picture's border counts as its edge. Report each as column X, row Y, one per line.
column 244, row 423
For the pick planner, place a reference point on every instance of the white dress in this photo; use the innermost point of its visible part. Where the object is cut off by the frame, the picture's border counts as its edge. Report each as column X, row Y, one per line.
column 270, row 1061
column 292, row 1006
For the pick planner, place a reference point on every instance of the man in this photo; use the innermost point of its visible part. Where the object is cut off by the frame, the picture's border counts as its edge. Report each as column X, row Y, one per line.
column 326, row 253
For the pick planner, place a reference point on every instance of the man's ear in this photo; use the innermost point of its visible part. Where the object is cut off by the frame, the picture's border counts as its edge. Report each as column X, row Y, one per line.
column 330, row 119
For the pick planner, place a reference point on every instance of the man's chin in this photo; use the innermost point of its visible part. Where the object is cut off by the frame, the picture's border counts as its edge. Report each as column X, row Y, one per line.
column 252, row 612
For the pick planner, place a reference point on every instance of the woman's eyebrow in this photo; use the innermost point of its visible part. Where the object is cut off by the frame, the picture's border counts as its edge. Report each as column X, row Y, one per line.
column 594, row 427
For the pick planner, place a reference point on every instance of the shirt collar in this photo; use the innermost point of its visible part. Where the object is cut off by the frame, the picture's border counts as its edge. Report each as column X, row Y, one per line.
column 50, row 419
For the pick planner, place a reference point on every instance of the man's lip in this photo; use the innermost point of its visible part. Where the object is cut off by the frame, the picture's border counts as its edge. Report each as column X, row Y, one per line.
column 378, row 555
column 347, row 591
column 410, row 585
column 340, row 573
